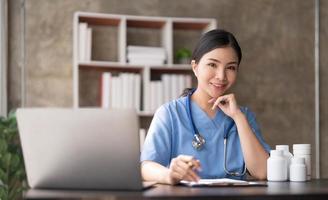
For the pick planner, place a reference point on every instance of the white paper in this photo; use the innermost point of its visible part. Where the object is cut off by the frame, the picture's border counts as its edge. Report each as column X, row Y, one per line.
column 223, row 181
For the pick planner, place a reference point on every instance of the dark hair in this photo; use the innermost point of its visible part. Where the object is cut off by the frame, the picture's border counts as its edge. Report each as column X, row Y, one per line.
column 211, row 40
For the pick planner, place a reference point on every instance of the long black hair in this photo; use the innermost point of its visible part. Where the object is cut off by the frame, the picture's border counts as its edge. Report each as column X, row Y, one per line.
column 217, row 38
column 213, row 39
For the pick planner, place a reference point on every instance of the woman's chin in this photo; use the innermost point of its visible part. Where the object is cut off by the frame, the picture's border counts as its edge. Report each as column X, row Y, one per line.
column 216, row 94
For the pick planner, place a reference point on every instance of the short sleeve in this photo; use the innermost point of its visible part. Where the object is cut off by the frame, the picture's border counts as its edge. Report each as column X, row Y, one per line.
column 157, row 145
column 252, row 121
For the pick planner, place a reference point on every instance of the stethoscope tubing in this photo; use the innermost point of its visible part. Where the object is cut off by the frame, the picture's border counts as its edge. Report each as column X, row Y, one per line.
column 199, row 141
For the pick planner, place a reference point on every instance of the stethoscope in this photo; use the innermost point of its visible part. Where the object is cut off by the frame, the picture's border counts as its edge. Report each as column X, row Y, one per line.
column 198, row 141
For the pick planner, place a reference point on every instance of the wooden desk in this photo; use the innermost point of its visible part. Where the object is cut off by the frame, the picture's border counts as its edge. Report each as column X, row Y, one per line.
column 315, row 189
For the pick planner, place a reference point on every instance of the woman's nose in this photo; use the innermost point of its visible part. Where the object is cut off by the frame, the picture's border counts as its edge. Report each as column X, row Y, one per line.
column 220, row 74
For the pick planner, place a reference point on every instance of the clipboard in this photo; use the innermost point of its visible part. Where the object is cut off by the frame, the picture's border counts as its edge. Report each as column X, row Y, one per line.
column 223, row 182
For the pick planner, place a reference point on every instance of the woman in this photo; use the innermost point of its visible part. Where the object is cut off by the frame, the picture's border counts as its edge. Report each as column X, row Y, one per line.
column 185, row 140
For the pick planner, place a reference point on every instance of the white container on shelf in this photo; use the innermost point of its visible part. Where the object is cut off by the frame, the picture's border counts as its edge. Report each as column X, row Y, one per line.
column 304, row 151
column 276, row 166
column 286, row 154
column 297, row 169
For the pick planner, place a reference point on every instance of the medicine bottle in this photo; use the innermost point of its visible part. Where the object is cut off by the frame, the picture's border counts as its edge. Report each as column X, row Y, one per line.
column 297, row 169
column 286, row 154
column 276, row 166
column 304, row 151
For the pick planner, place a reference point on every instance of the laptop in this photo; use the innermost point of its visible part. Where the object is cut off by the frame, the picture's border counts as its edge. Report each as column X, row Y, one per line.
column 81, row 148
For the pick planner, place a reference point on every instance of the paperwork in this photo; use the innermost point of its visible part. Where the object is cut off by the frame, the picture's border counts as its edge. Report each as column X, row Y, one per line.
column 222, row 182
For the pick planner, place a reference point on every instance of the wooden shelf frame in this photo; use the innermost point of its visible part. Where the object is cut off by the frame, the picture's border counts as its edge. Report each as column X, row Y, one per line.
column 166, row 25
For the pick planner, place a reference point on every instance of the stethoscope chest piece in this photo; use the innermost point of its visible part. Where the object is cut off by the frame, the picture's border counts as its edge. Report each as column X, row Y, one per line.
column 198, row 141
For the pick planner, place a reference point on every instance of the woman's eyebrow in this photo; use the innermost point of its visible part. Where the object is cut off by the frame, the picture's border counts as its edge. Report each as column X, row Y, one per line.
column 215, row 60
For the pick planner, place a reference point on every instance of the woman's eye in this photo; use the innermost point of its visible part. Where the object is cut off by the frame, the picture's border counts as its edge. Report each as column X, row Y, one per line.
column 232, row 68
column 211, row 65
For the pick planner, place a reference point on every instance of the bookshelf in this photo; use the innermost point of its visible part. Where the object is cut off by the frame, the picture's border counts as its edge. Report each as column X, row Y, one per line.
column 124, row 31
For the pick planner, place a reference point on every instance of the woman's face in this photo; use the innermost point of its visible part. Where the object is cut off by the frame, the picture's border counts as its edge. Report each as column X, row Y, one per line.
column 216, row 71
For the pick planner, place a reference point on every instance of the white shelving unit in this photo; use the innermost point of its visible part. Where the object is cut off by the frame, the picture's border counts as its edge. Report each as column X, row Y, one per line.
column 164, row 25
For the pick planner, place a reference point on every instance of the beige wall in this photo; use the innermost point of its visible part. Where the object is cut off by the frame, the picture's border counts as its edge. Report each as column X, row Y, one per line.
column 277, row 72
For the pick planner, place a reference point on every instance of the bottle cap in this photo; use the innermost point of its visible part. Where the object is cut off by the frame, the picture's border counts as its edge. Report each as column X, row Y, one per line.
column 282, row 147
column 297, row 160
column 276, row 153
column 302, row 151
column 301, row 146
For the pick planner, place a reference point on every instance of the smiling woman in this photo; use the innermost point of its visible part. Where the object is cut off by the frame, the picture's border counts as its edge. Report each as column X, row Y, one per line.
column 206, row 128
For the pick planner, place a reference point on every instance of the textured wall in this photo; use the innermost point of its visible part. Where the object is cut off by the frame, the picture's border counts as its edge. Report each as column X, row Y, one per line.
column 324, row 86
column 277, row 72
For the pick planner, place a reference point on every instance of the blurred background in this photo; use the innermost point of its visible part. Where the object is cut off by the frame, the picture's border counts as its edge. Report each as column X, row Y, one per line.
column 277, row 72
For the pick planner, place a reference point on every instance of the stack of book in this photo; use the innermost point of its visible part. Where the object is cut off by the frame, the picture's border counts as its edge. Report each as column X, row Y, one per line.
column 84, row 42
column 168, row 88
column 123, row 91
column 143, row 55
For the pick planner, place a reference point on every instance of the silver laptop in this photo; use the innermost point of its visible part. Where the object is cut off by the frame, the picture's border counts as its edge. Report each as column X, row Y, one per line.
column 80, row 148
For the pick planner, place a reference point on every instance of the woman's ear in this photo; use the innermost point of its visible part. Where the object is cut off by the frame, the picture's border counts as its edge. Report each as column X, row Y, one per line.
column 194, row 67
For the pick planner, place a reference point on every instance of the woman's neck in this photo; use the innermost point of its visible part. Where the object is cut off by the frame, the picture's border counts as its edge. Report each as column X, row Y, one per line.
column 201, row 98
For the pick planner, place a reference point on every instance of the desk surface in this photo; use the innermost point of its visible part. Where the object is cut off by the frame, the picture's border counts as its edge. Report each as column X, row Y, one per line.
column 314, row 189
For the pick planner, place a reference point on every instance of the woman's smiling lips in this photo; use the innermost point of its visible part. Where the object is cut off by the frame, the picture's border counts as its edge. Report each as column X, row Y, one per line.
column 219, row 85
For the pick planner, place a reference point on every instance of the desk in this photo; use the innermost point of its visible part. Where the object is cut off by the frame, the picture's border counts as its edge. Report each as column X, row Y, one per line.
column 315, row 189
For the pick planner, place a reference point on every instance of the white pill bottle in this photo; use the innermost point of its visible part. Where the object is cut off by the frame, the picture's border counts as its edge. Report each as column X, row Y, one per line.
column 276, row 166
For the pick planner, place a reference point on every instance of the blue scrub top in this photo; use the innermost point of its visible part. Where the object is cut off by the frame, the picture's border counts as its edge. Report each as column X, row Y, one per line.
column 170, row 135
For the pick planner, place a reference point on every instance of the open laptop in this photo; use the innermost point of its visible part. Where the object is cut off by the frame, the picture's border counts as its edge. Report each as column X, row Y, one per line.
column 80, row 148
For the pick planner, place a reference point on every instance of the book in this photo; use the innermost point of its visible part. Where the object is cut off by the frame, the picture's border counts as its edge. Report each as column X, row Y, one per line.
column 88, row 45
column 146, row 90
column 145, row 49
column 82, row 41
column 174, row 86
column 166, row 79
column 143, row 55
column 188, row 80
column 106, row 89
column 137, row 93
column 153, row 98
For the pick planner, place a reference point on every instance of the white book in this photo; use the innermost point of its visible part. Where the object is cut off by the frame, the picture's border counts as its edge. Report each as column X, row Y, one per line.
column 160, row 95
column 174, row 86
column 156, row 95
column 145, row 49
column 181, row 83
column 188, row 80
column 153, row 98
column 137, row 89
column 114, row 92
column 88, row 45
column 125, row 90
column 106, row 90
column 166, row 79
column 146, row 61
column 142, row 137
column 146, row 55
column 119, row 97
column 82, row 41
column 146, row 90
column 131, row 90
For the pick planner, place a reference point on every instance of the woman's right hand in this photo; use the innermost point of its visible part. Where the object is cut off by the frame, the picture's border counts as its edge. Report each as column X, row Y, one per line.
column 183, row 167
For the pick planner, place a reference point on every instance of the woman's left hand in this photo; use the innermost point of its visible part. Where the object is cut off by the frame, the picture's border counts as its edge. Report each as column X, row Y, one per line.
column 228, row 104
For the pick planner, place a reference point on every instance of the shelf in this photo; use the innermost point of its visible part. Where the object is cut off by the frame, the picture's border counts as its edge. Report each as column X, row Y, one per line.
column 118, row 65
column 145, row 24
column 98, row 18
column 158, row 83
column 100, row 21
column 109, row 66
column 145, row 113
